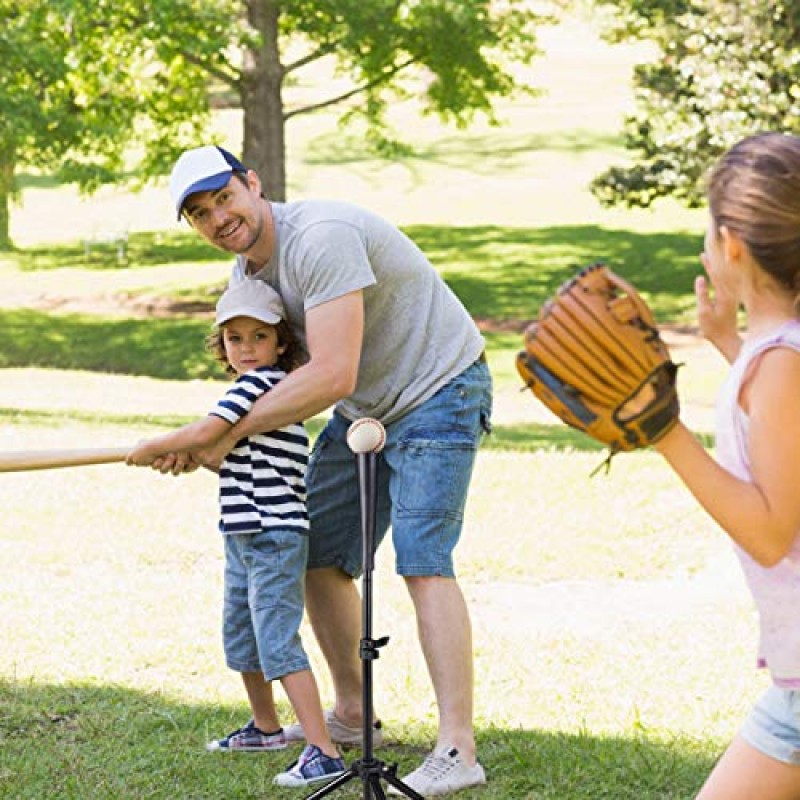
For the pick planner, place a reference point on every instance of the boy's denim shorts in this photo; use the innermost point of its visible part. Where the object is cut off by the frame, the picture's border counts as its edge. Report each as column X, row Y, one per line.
column 264, row 602
column 423, row 475
column 773, row 726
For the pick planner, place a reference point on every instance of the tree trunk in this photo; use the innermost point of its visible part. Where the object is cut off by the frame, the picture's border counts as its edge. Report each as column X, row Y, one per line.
column 264, row 148
column 7, row 163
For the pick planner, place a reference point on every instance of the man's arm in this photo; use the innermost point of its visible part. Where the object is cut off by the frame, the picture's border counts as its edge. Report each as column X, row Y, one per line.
column 334, row 334
column 203, row 433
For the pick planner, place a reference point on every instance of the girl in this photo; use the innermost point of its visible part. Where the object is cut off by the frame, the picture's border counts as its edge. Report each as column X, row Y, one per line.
column 752, row 258
column 265, row 526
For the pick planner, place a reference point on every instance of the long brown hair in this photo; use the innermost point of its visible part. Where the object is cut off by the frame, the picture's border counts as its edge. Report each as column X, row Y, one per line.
column 754, row 191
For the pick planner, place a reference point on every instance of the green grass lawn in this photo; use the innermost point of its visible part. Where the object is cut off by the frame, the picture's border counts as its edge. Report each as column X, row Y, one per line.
column 614, row 637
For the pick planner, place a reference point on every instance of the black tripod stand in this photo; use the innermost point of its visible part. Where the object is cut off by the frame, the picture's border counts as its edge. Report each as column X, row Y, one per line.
column 369, row 769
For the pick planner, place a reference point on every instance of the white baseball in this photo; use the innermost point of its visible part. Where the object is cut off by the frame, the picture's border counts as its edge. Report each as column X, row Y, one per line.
column 366, row 435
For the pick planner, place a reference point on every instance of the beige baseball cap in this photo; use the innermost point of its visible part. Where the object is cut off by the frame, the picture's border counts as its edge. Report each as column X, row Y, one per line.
column 249, row 298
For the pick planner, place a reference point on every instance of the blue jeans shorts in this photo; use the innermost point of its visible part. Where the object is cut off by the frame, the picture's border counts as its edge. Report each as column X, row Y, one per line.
column 773, row 726
column 264, row 602
column 423, row 475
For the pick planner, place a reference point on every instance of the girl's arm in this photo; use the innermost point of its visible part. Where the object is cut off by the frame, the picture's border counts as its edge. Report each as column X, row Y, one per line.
column 204, row 432
column 763, row 517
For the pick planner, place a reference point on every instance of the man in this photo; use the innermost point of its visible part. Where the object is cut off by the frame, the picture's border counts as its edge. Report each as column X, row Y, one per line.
column 386, row 338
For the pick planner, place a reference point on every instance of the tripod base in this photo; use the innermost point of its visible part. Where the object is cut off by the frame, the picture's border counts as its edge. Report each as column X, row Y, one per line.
column 370, row 773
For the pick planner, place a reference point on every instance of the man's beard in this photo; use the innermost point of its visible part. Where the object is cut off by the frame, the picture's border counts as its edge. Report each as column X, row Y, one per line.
column 249, row 243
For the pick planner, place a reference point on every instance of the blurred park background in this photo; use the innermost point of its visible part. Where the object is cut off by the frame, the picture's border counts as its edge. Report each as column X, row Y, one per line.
column 614, row 636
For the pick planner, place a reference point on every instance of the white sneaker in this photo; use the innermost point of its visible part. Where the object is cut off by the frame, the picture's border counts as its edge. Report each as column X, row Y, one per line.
column 339, row 732
column 442, row 772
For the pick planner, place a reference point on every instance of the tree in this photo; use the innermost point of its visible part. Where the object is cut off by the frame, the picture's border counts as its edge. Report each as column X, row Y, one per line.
column 462, row 47
column 725, row 69
column 92, row 80
column 76, row 93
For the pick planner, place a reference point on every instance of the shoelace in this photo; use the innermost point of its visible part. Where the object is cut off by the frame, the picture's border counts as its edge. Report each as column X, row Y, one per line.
column 305, row 759
column 437, row 766
column 244, row 730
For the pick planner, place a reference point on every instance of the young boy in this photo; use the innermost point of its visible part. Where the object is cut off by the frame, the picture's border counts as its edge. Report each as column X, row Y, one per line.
column 264, row 521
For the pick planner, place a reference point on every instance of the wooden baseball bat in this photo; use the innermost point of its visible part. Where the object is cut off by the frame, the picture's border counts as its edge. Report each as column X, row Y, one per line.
column 24, row 460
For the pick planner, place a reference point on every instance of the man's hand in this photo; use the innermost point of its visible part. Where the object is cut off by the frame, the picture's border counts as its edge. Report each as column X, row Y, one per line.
column 212, row 456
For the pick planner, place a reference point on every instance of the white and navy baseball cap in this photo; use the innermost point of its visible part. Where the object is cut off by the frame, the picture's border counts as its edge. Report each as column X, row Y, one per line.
column 204, row 169
column 250, row 298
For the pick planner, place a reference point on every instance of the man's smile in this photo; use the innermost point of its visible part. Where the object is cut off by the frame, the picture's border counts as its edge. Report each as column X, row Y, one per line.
column 229, row 229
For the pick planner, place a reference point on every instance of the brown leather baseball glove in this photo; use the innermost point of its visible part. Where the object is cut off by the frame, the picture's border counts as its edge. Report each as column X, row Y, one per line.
column 595, row 358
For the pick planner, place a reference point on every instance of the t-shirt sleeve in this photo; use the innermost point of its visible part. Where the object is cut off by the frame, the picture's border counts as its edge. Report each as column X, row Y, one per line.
column 239, row 399
column 331, row 260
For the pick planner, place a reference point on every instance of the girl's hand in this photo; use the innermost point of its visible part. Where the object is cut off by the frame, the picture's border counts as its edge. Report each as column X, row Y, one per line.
column 716, row 315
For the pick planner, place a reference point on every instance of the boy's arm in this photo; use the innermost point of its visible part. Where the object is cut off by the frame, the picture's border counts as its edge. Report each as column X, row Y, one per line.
column 203, row 433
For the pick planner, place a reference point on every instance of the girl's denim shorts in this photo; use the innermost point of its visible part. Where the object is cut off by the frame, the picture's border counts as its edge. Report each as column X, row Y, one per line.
column 773, row 726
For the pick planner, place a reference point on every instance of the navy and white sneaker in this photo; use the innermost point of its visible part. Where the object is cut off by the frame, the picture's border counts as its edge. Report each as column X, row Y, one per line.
column 312, row 766
column 249, row 739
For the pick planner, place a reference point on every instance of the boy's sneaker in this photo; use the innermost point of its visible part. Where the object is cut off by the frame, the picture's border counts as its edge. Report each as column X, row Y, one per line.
column 442, row 772
column 249, row 739
column 339, row 732
column 312, row 766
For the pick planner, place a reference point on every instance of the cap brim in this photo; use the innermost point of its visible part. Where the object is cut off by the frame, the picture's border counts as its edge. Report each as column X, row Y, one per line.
column 209, row 184
column 255, row 313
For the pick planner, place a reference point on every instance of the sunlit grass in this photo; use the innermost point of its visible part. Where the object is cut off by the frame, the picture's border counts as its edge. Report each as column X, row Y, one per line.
column 613, row 634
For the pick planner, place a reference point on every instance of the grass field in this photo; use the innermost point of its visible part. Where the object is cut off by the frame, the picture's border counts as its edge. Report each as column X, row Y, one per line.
column 614, row 637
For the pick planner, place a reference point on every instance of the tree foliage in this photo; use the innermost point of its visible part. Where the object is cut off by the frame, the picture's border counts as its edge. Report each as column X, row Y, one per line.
column 725, row 69
column 86, row 84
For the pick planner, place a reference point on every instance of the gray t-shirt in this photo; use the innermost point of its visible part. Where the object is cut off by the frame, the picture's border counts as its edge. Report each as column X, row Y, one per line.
column 417, row 334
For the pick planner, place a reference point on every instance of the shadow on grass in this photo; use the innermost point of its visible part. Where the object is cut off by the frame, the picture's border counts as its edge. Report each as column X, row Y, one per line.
column 498, row 272
column 501, row 274
column 159, row 348
column 507, row 273
column 499, row 261
column 143, row 250
column 482, row 154
column 80, row 741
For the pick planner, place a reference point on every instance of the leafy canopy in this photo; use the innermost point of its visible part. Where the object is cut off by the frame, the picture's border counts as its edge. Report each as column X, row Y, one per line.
column 724, row 69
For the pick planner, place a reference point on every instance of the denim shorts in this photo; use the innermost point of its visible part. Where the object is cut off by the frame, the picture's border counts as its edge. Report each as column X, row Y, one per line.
column 264, row 601
column 773, row 726
column 423, row 475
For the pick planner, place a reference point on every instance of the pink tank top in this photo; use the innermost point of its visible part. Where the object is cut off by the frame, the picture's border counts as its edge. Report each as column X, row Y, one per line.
column 776, row 590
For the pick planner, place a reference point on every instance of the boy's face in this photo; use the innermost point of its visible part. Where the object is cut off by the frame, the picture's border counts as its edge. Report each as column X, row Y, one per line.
column 250, row 343
column 231, row 218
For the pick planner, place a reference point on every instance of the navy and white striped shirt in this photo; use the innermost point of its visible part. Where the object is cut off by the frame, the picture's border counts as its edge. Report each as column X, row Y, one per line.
column 262, row 480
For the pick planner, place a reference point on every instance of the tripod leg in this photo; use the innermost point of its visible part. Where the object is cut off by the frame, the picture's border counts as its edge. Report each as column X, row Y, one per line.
column 325, row 790
column 390, row 778
column 375, row 783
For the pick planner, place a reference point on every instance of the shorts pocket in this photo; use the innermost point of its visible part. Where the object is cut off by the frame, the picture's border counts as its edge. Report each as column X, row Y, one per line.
column 435, row 473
